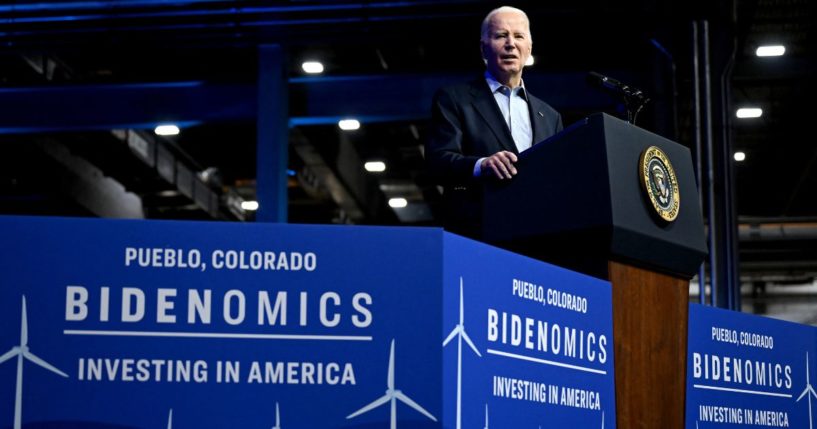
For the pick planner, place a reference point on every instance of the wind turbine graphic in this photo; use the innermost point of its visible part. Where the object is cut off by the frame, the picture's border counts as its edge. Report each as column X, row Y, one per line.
column 486, row 416
column 810, row 391
column 277, row 418
column 459, row 332
column 170, row 419
column 21, row 352
column 602, row 420
column 392, row 395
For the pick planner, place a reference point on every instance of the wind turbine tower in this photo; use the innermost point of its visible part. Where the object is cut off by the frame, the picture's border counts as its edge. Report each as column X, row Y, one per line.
column 392, row 395
column 459, row 332
column 809, row 390
column 22, row 352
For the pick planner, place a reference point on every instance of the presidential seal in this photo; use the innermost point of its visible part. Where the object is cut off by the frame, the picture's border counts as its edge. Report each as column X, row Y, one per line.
column 659, row 181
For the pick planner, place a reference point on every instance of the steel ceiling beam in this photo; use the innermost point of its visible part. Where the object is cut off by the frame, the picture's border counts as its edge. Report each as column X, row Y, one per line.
column 321, row 100
column 103, row 107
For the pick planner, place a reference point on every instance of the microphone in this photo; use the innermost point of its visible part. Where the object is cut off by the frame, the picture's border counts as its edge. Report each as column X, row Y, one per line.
column 615, row 87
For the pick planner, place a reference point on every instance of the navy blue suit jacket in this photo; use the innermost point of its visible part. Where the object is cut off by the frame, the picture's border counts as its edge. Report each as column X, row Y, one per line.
column 466, row 124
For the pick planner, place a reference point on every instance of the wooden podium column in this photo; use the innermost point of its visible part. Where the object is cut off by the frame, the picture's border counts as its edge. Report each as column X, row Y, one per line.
column 650, row 312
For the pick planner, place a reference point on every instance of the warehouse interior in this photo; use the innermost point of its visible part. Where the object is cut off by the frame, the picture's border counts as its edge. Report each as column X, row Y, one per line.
column 84, row 86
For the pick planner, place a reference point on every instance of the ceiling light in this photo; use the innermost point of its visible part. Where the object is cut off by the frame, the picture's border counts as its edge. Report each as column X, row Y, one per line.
column 770, row 51
column 166, row 130
column 312, row 67
column 740, row 156
column 249, row 206
column 529, row 61
column 349, row 124
column 749, row 112
column 397, row 203
column 375, row 166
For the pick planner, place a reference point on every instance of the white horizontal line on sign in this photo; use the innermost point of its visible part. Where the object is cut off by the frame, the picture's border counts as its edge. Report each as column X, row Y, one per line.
column 546, row 362
column 217, row 335
column 751, row 392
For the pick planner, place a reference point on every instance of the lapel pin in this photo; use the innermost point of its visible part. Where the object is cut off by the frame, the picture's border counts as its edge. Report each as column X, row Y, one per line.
column 541, row 114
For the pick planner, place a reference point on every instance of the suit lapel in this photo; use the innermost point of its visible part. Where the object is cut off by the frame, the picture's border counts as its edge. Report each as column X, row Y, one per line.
column 537, row 120
column 485, row 104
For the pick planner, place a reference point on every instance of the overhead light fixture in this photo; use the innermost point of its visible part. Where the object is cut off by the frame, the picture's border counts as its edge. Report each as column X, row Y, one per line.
column 249, row 206
column 749, row 112
column 740, row 156
column 529, row 61
column 349, row 124
column 312, row 67
column 166, row 130
column 397, row 203
column 770, row 51
column 375, row 166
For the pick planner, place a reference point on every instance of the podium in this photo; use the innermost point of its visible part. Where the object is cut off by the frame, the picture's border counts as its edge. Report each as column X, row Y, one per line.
column 580, row 201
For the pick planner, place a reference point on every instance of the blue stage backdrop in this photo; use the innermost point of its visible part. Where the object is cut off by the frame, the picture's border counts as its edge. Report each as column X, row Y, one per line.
column 148, row 324
column 749, row 371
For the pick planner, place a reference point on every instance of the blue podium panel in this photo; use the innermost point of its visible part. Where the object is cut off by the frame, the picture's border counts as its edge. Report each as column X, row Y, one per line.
column 135, row 324
column 748, row 371
column 542, row 352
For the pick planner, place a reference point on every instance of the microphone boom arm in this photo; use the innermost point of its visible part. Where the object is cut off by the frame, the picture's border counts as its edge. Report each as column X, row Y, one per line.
column 634, row 99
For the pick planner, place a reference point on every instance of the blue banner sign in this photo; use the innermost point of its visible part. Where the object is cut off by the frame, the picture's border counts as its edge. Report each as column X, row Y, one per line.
column 543, row 342
column 148, row 324
column 749, row 371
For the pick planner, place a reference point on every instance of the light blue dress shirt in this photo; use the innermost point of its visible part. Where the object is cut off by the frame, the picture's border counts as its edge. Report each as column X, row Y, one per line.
column 513, row 103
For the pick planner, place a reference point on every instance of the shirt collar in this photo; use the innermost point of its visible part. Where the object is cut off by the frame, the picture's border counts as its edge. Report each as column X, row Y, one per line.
column 495, row 85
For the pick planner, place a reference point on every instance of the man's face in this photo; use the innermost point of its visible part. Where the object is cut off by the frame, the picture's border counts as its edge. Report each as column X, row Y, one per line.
column 507, row 45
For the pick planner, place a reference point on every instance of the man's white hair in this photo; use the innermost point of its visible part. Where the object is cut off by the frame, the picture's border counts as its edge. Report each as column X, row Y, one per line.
column 486, row 23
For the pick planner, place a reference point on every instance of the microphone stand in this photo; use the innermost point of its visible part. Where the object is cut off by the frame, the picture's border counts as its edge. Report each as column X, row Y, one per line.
column 634, row 99
column 634, row 102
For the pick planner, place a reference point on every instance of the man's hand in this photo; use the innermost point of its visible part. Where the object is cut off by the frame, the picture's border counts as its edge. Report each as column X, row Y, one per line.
column 500, row 165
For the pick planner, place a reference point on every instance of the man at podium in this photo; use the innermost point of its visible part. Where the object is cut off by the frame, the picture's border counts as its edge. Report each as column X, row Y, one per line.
column 478, row 128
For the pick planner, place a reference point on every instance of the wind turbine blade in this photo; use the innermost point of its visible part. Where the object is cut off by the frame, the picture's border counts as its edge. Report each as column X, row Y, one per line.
column 390, row 379
column 813, row 393
column 399, row 395
column 486, row 416
column 277, row 416
column 462, row 312
column 802, row 394
column 170, row 419
column 32, row 357
column 9, row 354
column 378, row 402
column 602, row 420
column 470, row 343
column 451, row 335
column 24, row 325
